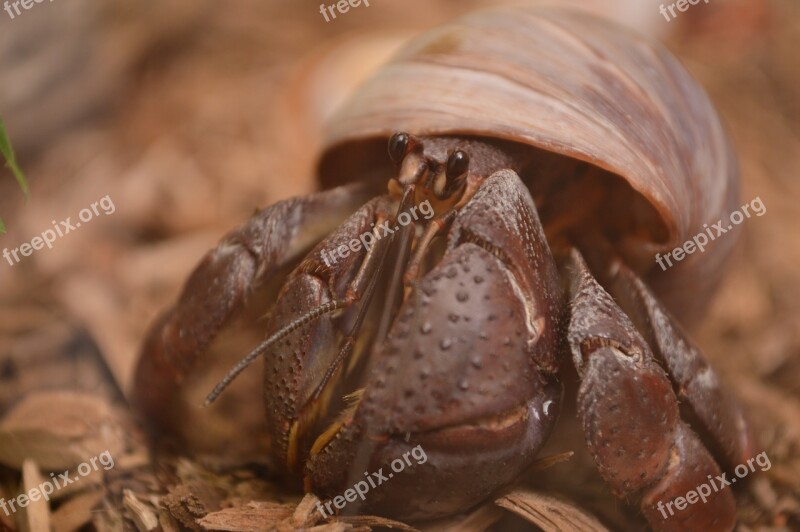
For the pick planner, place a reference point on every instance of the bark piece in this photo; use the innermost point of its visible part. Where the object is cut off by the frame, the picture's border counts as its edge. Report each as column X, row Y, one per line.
column 252, row 517
column 36, row 515
column 549, row 513
column 142, row 514
column 76, row 512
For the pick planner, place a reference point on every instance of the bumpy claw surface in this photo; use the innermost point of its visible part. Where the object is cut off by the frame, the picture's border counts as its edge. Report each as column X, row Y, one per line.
column 463, row 372
column 696, row 381
column 630, row 415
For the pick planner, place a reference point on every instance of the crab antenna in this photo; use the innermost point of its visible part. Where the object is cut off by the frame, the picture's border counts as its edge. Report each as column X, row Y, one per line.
column 234, row 372
column 406, row 238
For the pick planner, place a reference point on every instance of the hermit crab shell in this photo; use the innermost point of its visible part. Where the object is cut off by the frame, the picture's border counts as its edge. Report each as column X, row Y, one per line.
column 574, row 87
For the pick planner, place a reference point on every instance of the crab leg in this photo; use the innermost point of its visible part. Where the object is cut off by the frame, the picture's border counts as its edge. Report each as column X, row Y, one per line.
column 630, row 415
column 219, row 285
column 694, row 379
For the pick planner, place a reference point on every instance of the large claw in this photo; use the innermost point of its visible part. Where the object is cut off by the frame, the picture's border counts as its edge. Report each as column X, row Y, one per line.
column 464, row 372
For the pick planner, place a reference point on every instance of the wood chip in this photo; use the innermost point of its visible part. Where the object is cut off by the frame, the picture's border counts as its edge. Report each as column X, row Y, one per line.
column 184, row 504
column 76, row 512
column 374, row 521
column 36, row 515
column 143, row 515
column 167, row 522
column 109, row 520
column 306, row 514
column 59, row 431
column 91, row 300
column 252, row 517
column 480, row 519
column 337, row 526
column 549, row 513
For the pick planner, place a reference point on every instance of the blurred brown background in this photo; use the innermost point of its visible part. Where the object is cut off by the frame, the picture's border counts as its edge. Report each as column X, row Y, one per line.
column 189, row 114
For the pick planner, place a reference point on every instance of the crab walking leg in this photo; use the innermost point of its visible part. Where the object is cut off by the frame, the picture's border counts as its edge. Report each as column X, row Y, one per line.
column 695, row 380
column 220, row 283
column 630, row 415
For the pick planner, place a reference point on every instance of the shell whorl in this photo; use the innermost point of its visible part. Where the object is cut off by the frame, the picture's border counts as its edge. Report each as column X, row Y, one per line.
column 575, row 85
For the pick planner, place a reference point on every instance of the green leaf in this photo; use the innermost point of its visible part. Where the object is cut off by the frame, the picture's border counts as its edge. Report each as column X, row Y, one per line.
column 2, row 227
column 11, row 162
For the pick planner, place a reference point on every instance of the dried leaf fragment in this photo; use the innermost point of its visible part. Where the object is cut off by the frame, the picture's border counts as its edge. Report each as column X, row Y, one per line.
column 306, row 515
column 480, row 519
column 374, row 521
column 76, row 512
column 35, row 515
column 252, row 517
column 142, row 514
column 59, row 430
column 167, row 522
column 549, row 513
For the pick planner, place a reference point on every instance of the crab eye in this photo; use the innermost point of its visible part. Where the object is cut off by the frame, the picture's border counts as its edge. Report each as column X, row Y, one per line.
column 398, row 145
column 457, row 164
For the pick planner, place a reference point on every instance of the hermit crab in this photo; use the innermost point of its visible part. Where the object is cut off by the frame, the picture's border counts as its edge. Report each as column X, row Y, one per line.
column 557, row 155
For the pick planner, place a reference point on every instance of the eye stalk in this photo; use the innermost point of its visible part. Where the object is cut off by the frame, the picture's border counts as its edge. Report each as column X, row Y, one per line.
column 457, row 164
column 398, row 145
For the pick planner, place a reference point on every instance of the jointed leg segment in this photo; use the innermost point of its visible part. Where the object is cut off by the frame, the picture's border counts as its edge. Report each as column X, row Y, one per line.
column 630, row 414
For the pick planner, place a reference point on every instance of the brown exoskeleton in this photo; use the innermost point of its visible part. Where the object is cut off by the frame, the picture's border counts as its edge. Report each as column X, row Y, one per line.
column 450, row 333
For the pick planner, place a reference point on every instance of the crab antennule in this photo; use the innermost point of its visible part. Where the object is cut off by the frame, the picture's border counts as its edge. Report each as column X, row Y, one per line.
column 406, row 238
